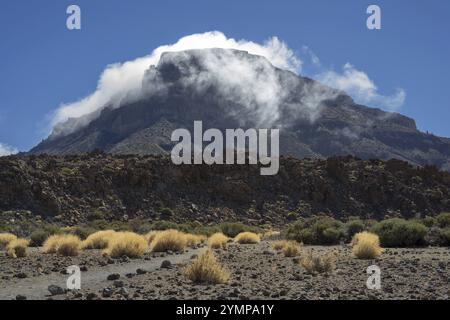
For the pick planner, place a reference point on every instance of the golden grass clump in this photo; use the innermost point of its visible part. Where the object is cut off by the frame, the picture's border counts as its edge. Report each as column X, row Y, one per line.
column 206, row 269
column 98, row 240
column 366, row 245
column 247, row 238
column 193, row 240
column 64, row 244
column 5, row 239
column 172, row 240
column 279, row 245
column 150, row 236
column 314, row 264
column 291, row 249
column 17, row 248
column 218, row 241
column 127, row 244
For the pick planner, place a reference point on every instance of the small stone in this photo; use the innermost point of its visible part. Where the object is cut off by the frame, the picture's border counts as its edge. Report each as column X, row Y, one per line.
column 106, row 293
column 141, row 271
column 91, row 296
column 83, row 269
column 113, row 276
column 55, row 290
column 166, row 264
column 21, row 297
column 21, row 275
column 118, row 284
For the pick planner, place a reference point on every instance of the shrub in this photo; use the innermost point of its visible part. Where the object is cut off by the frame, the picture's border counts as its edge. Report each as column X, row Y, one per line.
column 279, row 245
column 315, row 264
column 398, row 232
column 127, row 244
column 291, row 249
column 193, row 240
column 172, row 240
column 17, row 248
column 38, row 237
column 317, row 231
column 353, row 227
column 218, row 240
column 366, row 245
column 233, row 229
column 247, row 238
column 206, row 269
column 444, row 237
column 5, row 239
column 98, row 240
column 150, row 236
column 429, row 221
column 443, row 219
column 83, row 232
column 65, row 245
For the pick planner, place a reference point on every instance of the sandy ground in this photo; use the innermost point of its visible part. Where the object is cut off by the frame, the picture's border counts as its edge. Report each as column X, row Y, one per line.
column 257, row 272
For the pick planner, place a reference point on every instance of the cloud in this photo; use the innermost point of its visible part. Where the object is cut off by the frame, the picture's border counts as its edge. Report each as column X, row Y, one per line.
column 312, row 56
column 357, row 84
column 254, row 85
column 6, row 150
column 121, row 83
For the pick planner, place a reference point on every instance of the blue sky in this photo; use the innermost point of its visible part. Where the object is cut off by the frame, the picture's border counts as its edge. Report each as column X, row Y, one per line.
column 42, row 64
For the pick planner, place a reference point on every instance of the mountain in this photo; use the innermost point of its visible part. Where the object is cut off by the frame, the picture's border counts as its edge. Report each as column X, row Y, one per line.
column 233, row 89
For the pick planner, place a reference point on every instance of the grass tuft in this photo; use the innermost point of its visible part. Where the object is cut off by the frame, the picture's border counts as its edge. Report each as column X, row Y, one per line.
column 366, row 245
column 5, row 239
column 172, row 240
column 218, row 241
column 64, row 244
column 17, row 248
column 206, row 269
column 315, row 264
column 247, row 238
column 127, row 244
column 291, row 249
column 98, row 240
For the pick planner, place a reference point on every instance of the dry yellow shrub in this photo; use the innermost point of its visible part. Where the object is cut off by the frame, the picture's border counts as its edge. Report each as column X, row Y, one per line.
column 206, row 269
column 366, row 245
column 291, row 249
column 63, row 244
column 17, row 248
column 218, row 241
column 5, row 239
column 279, row 245
column 127, row 244
column 172, row 240
column 150, row 236
column 247, row 238
column 314, row 264
column 193, row 240
column 98, row 240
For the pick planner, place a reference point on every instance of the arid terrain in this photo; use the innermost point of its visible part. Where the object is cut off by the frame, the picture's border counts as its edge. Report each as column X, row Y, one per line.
column 257, row 272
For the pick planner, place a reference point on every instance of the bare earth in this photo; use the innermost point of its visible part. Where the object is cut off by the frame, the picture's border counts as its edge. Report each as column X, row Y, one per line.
column 257, row 272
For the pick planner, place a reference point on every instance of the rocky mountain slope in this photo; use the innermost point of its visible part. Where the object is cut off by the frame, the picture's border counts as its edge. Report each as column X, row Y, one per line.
column 73, row 189
column 315, row 121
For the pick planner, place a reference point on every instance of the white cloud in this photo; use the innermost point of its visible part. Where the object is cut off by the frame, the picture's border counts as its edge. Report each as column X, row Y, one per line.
column 248, row 84
column 6, row 150
column 357, row 84
column 122, row 82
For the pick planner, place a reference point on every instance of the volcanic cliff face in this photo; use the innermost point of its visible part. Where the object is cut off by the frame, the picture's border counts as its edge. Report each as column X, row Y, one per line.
column 71, row 189
column 233, row 89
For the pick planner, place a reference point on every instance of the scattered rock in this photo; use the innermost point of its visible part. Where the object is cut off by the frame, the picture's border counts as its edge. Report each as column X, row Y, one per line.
column 113, row 276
